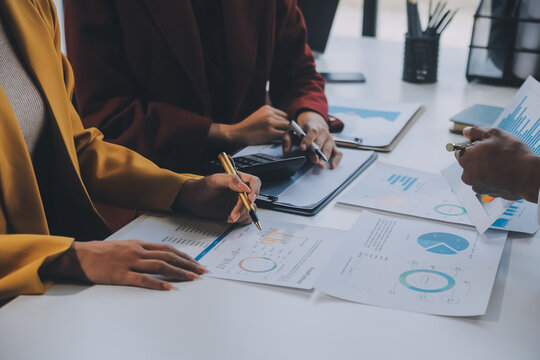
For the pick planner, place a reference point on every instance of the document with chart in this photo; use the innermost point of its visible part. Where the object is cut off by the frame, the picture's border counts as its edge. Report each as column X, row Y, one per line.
column 417, row 193
column 186, row 233
column 520, row 118
column 413, row 265
column 371, row 125
column 283, row 254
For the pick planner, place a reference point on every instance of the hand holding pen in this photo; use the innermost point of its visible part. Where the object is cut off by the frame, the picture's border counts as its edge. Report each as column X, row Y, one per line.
column 245, row 200
column 315, row 138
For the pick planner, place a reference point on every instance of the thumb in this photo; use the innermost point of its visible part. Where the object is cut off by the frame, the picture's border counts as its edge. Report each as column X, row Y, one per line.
column 475, row 133
column 286, row 142
column 236, row 184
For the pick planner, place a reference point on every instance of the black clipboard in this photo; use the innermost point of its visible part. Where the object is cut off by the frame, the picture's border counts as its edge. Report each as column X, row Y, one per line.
column 272, row 202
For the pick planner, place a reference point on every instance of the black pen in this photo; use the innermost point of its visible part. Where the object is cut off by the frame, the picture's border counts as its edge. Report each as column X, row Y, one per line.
column 313, row 147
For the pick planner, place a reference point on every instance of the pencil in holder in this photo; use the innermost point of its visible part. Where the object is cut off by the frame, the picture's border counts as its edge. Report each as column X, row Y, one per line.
column 421, row 59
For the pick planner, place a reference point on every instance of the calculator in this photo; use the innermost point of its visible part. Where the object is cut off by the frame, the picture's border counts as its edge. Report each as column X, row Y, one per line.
column 261, row 165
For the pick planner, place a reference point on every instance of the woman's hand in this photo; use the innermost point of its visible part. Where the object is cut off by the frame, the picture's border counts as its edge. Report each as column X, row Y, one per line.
column 216, row 196
column 123, row 263
column 317, row 131
column 261, row 127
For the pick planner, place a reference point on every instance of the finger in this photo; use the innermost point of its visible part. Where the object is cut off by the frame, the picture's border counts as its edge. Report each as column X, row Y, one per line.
column 158, row 267
column 141, row 280
column 244, row 219
column 475, row 132
column 167, row 248
column 253, row 182
column 236, row 184
column 236, row 212
column 175, row 260
column 311, row 135
column 280, row 113
column 276, row 134
column 280, row 123
column 286, row 142
column 336, row 158
column 313, row 158
column 328, row 147
column 479, row 189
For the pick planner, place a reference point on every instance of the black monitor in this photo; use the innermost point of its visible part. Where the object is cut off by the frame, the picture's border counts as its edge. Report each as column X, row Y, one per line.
column 319, row 16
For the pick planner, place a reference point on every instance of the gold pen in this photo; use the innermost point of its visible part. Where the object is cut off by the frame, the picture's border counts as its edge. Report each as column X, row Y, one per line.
column 228, row 164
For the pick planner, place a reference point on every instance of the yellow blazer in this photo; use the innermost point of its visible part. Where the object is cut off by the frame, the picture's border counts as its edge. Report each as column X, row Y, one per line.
column 84, row 165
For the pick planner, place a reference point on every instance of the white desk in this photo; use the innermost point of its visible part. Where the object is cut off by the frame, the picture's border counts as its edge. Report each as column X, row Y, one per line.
column 217, row 319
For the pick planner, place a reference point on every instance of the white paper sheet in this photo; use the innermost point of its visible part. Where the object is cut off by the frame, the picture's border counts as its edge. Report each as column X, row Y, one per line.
column 282, row 254
column 415, row 265
column 186, row 233
column 316, row 184
column 376, row 124
column 417, row 193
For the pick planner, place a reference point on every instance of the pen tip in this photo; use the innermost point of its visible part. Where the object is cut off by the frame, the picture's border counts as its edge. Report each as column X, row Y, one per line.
column 258, row 225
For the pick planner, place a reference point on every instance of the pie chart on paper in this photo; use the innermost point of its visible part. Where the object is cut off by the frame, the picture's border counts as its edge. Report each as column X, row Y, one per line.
column 443, row 243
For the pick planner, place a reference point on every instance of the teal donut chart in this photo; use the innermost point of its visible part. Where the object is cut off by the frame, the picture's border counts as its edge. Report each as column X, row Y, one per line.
column 403, row 280
column 450, row 210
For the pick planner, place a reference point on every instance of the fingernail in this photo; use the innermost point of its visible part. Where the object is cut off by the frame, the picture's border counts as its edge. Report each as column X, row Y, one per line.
column 192, row 276
column 246, row 188
column 201, row 270
column 303, row 147
column 168, row 286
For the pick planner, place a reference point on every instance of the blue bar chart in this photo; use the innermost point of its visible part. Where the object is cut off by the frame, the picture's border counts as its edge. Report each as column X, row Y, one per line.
column 522, row 117
column 405, row 181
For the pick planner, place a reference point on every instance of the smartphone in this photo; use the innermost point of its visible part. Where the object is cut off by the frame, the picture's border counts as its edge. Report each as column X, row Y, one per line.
column 343, row 77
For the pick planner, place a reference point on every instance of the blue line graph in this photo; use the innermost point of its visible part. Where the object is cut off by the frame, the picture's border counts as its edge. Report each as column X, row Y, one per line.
column 405, row 181
column 521, row 124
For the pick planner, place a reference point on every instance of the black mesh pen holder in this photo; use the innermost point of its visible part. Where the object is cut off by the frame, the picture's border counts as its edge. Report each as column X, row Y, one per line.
column 421, row 59
column 505, row 44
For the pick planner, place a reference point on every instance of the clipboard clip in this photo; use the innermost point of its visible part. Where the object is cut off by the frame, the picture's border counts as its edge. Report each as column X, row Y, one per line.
column 355, row 139
column 268, row 198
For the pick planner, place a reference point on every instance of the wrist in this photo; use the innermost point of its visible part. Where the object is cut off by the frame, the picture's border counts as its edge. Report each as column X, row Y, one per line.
column 531, row 180
column 184, row 200
column 311, row 116
column 222, row 133
column 66, row 266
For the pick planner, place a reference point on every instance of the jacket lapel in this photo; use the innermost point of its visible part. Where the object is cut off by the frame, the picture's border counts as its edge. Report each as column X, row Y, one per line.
column 179, row 27
column 240, row 15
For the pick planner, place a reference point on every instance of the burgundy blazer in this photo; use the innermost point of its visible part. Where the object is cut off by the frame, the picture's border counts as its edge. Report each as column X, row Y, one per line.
column 140, row 73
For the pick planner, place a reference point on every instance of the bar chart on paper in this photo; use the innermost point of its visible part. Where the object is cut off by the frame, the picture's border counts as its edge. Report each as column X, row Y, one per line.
column 417, row 193
column 522, row 116
column 405, row 181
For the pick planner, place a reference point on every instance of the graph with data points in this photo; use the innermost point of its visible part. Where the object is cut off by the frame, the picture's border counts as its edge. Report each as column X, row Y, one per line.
column 275, row 236
column 522, row 116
